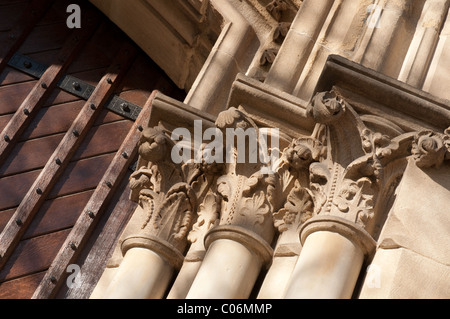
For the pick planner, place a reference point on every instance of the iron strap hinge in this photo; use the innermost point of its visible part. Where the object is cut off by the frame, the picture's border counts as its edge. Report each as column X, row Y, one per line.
column 75, row 86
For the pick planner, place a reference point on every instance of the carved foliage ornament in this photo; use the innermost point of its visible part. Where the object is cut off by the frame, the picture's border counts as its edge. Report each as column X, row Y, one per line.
column 167, row 192
column 345, row 179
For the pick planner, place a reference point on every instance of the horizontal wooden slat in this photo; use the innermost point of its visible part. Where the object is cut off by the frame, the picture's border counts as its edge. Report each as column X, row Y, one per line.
column 97, row 204
column 12, row 96
column 80, row 175
column 33, row 255
column 14, row 187
column 57, row 214
column 34, row 154
column 45, row 38
column 21, row 288
column 30, row 155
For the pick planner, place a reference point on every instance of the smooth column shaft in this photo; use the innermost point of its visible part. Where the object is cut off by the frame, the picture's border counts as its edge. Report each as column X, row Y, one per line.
column 143, row 274
column 328, row 267
column 229, row 270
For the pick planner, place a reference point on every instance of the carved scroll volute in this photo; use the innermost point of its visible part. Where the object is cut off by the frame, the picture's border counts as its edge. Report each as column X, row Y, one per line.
column 430, row 149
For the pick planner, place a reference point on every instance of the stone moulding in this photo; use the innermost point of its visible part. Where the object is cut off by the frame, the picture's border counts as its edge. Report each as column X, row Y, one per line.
column 156, row 244
column 348, row 229
column 249, row 239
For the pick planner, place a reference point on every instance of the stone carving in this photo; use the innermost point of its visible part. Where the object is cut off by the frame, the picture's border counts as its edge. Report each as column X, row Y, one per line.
column 244, row 190
column 297, row 210
column 347, row 176
column 208, row 217
column 268, row 56
column 276, row 8
column 280, row 32
column 168, row 201
column 429, row 149
column 345, row 180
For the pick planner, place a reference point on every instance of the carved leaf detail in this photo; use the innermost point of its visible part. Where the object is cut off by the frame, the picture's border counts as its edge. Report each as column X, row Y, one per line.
column 298, row 209
column 255, row 207
column 208, row 216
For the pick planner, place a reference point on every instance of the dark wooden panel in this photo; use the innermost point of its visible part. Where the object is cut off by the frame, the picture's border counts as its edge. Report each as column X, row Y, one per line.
column 5, row 216
column 53, row 120
column 103, row 139
column 21, row 288
column 11, row 76
column 12, row 96
column 45, row 38
column 79, row 176
column 34, row 154
column 14, row 38
column 57, row 214
column 30, row 155
column 82, row 175
column 41, row 91
column 33, row 255
column 14, row 188
column 9, row 13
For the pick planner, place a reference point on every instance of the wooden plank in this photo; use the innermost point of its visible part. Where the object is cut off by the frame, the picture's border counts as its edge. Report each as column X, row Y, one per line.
column 56, row 165
column 41, row 91
column 97, row 204
column 78, row 176
column 14, row 187
column 34, row 154
column 21, row 288
column 10, row 13
column 30, row 155
column 57, row 214
column 45, row 38
column 12, row 76
column 33, row 255
column 13, row 39
column 12, row 96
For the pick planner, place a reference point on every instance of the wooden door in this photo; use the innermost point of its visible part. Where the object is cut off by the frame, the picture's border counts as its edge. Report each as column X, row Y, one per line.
column 71, row 106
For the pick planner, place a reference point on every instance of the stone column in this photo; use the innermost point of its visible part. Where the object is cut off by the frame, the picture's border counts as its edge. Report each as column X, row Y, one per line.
column 208, row 217
column 332, row 256
column 232, row 264
column 145, row 271
column 423, row 45
column 348, row 186
column 239, row 246
column 297, row 209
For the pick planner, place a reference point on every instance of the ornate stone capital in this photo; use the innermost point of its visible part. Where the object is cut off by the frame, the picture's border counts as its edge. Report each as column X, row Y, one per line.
column 356, row 168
